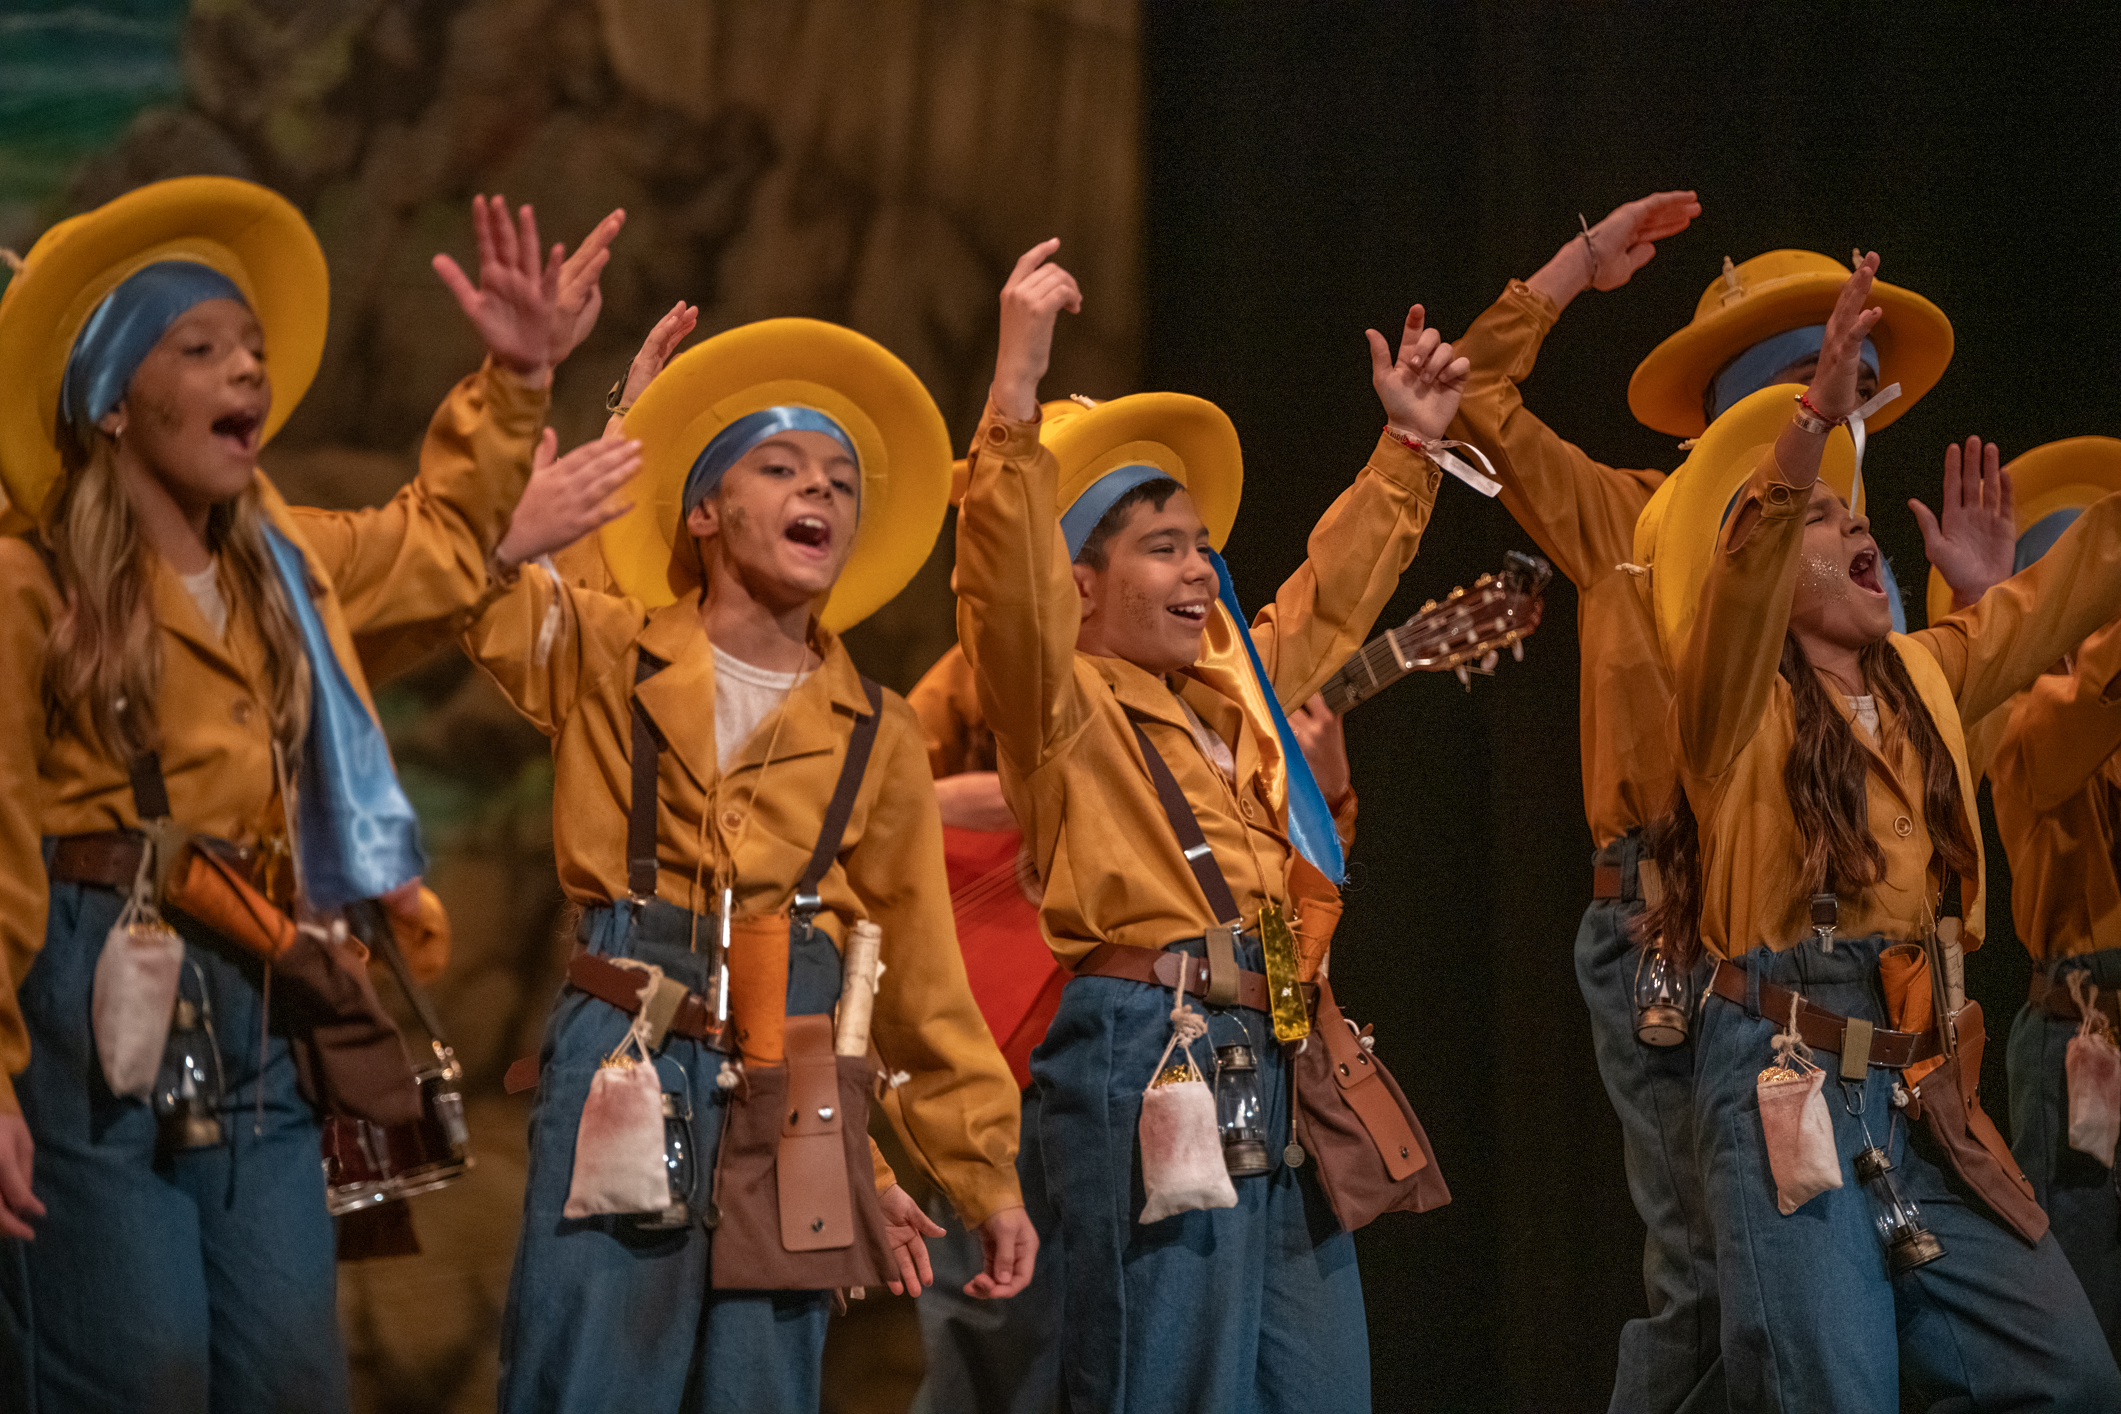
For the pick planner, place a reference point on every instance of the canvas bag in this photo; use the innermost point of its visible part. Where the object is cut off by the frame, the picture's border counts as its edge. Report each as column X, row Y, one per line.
column 2093, row 1067
column 619, row 1168
column 1182, row 1150
column 1795, row 1123
column 135, row 990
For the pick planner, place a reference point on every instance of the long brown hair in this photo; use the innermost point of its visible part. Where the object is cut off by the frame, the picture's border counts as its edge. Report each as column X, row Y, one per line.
column 106, row 648
column 1825, row 778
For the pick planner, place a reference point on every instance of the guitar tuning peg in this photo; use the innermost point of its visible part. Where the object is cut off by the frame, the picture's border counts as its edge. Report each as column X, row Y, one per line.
column 1458, row 593
column 1517, row 651
column 1465, row 676
column 1487, row 664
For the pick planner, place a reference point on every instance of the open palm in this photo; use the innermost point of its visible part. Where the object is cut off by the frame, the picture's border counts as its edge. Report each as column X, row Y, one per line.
column 515, row 304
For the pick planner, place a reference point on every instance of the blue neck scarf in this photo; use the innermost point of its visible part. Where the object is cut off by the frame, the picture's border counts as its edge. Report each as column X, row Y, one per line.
column 124, row 329
column 728, row 446
column 357, row 835
column 1311, row 827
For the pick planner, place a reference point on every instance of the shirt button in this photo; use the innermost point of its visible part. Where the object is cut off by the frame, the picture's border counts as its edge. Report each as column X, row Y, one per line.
column 1245, row 807
column 732, row 818
column 1903, row 827
column 239, row 711
column 997, row 434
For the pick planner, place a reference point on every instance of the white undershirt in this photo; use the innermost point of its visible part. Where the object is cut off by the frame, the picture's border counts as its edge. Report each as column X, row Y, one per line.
column 1866, row 710
column 1211, row 746
column 205, row 590
column 744, row 696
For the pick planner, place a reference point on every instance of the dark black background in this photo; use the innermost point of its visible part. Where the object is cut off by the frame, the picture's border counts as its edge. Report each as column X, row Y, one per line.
column 1313, row 169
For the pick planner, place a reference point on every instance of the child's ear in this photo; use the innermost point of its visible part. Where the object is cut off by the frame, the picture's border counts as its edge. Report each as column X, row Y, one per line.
column 701, row 520
column 1086, row 580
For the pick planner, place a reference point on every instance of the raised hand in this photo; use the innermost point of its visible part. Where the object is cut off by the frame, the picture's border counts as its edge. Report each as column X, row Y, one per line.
column 1619, row 245
column 1032, row 300
column 17, row 1202
column 581, row 297
column 662, row 341
column 1973, row 539
column 1833, row 392
column 905, row 1225
column 568, row 497
column 1325, row 747
column 1419, row 388
column 1009, row 1244
column 515, row 305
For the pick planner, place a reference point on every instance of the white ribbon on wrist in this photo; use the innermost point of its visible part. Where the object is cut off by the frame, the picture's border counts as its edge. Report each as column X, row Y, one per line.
column 1855, row 422
column 1438, row 451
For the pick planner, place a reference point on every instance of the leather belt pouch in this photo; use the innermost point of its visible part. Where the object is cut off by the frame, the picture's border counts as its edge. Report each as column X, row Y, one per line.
column 1351, row 1116
column 1948, row 1103
column 795, row 1191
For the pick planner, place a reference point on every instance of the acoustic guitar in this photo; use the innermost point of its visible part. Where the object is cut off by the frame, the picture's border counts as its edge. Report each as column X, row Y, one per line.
column 994, row 890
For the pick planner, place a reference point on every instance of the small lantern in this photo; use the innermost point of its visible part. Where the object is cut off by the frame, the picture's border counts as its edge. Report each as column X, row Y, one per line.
column 1664, row 1001
column 1908, row 1244
column 1239, row 1112
column 679, row 1162
column 188, row 1091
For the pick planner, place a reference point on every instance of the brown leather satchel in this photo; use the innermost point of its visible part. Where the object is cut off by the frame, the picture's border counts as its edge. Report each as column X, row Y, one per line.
column 1351, row 1116
column 794, row 1191
column 1948, row 1103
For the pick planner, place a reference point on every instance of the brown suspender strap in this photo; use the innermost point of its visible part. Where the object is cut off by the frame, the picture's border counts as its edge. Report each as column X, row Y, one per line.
column 648, row 745
column 842, row 807
column 1184, row 824
column 150, row 791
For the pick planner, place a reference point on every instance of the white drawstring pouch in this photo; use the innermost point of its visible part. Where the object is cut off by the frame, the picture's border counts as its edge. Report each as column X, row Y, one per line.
column 2093, row 1067
column 1182, row 1150
column 618, row 1146
column 1794, row 1119
column 135, row 992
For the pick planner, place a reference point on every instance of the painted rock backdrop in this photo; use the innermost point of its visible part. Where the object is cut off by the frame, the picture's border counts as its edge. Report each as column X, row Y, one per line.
column 879, row 163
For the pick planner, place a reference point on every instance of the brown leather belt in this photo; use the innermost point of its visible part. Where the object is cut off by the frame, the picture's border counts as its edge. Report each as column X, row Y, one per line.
column 1821, row 1029
column 621, row 987
column 110, row 859
column 1158, row 968
column 2053, row 997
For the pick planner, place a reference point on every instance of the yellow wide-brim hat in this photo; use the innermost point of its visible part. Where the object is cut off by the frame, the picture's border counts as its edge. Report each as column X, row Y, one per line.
column 1677, row 532
column 1188, row 439
column 2057, row 476
column 897, row 430
column 1768, row 295
column 252, row 235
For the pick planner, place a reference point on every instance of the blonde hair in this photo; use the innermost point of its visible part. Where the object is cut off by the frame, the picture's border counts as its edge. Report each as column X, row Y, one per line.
column 106, row 647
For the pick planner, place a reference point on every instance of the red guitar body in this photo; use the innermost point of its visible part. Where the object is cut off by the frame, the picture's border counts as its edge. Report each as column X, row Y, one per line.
column 1013, row 975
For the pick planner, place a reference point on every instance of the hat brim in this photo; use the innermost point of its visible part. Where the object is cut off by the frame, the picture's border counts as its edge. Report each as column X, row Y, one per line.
column 1190, row 439
column 2056, row 476
column 897, row 430
column 252, row 235
column 1677, row 532
column 1913, row 339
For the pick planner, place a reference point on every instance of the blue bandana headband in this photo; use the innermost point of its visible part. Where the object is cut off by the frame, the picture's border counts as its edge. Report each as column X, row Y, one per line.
column 2041, row 535
column 1756, row 368
column 1104, row 493
column 124, row 329
column 727, row 447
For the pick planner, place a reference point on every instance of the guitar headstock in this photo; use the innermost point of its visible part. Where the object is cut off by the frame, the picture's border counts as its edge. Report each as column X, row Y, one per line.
column 1464, row 633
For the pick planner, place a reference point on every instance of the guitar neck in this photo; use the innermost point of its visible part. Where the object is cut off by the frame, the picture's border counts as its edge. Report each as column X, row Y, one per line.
column 1376, row 666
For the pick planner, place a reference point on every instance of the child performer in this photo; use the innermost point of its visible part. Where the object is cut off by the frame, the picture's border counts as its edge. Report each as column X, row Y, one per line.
column 984, row 1358
column 178, row 642
column 2056, row 779
column 1824, row 760
column 1757, row 326
column 1256, row 1306
column 794, row 476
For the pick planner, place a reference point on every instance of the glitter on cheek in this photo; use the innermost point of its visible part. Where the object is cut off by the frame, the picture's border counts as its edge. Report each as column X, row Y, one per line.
column 1825, row 578
column 1134, row 603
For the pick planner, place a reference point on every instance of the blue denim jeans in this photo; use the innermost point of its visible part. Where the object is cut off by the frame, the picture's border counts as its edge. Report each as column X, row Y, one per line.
column 994, row 1357
column 1812, row 1317
column 1669, row 1358
column 603, row 1315
column 2076, row 1189
column 1243, row 1310
column 194, row 1280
